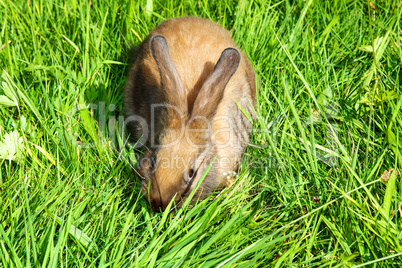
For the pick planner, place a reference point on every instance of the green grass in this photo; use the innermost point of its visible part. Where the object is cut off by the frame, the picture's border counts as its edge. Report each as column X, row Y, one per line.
column 310, row 192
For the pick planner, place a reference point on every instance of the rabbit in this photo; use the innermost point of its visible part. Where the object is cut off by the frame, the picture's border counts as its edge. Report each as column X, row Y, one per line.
column 183, row 103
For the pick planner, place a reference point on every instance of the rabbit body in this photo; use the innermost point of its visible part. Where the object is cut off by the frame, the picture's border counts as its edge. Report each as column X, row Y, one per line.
column 181, row 102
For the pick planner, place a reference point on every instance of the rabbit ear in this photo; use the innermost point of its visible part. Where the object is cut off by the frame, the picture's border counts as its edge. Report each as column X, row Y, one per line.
column 170, row 78
column 212, row 90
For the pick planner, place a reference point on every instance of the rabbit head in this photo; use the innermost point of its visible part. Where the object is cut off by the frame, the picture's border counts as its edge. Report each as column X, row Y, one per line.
column 187, row 144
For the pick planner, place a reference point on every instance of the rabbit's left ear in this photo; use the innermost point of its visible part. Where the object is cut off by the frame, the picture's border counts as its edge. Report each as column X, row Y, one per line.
column 212, row 90
column 170, row 78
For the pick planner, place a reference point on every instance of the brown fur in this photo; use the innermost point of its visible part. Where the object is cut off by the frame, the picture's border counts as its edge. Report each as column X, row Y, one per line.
column 201, row 120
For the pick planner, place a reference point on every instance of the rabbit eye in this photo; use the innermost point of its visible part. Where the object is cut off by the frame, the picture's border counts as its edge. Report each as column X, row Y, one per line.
column 191, row 173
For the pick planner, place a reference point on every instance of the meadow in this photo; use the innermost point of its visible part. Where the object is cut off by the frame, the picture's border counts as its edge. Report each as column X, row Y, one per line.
column 319, row 184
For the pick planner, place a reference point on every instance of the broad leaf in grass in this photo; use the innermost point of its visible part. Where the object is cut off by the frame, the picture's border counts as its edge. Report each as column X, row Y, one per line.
column 8, row 99
column 369, row 48
column 390, row 178
column 10, row 146
column 377, row 99
column 4, row 101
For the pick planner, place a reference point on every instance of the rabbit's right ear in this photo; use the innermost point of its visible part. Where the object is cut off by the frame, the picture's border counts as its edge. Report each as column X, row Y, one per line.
column 170, row 79
column 213, row 88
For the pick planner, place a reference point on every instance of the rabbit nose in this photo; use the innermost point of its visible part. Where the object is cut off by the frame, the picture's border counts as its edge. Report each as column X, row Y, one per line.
column 157, row 205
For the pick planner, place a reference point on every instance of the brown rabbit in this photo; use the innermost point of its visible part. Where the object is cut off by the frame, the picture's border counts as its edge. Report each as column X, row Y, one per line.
column 181, row 101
